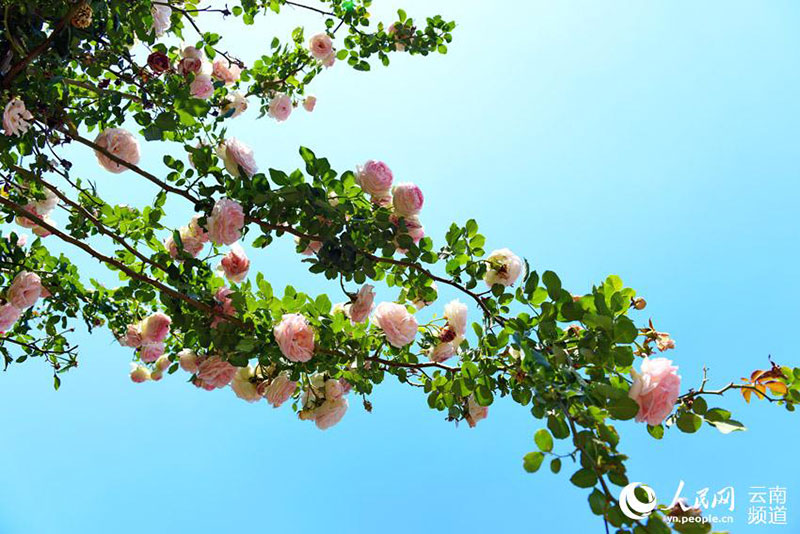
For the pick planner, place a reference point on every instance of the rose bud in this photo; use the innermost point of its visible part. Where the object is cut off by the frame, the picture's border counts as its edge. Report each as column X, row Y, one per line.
column 158, row 62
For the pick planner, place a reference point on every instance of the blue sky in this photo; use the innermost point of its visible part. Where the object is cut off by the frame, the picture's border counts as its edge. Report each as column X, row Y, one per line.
column 653, row 140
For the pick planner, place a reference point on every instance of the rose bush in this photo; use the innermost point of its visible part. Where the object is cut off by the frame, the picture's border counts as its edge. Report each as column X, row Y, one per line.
column 69, row 75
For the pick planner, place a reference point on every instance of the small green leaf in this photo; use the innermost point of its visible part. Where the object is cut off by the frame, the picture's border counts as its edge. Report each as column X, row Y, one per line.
column 543, row 440
column 584, row 478
column 532, row 461
column 623, row 409
column 689, row 423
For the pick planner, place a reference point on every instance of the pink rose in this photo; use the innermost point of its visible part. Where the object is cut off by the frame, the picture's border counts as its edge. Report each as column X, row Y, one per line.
column 476, row 412
column 442, row 352
column 150, row 352
column 399, row 326
column 155, row 327
column 280, row 107
column 202, row 87
column 359, row 310
column 407, row 199
column 329, row 61
column 235, row 264
column 139, row 373
column 375, row 178
column 280, row 390
column 188, row 360
column 234, row 105
column 330, row 412
column 321, row 46
column 235, row 155
column 9, row 314
column 161, row 18
column 333, row 389
column 193, row 238
column 504, row 268
column 49, row 202
column 25, row 290
column 163, row 363
column 215, row 372
column 456, row 314
column 133, row 337
column 655, row 390
column 25, row 222
column 225, row 71
column 295, row 337
column 16, row 117
column 190, row 65
column 193, row 52
column 224, row 304
column 414, row 228
column 310, row 103
column 41, row 231
column 120, row 143
column 225, row 222
column 243, row 387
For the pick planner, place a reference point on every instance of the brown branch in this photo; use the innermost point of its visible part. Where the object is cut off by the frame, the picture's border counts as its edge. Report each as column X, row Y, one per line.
column 97, row 90
column 19, row 210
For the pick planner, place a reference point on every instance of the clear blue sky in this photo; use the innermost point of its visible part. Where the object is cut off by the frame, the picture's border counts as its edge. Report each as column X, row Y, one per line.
column 654, row 140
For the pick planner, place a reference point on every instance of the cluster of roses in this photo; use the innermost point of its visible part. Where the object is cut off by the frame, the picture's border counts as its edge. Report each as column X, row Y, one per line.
column 25, row 289
column 147, row 337
column 41, row 209
column 405, row 199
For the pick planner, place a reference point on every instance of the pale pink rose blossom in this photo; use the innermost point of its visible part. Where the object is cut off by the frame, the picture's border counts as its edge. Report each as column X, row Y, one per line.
column 407, row 199
column 414, row 228
column 442, row 352
column 476, row 412
column 161, row 18
column 150, row 352
column 193, row 52
column 139, row 373
column 41, row 231
column 225, row 71
column 234, row 105
column 295, row 337
column 224, row 304
column 346, row 386
column 243, row 387
column 9, row 314
column 504, row 267
column 399, row 326
column 333, row 389
column 375, row 178
column 133, row 337
column 235, row 264
column 664, row 341
column 163, row 363
column 156, row 375
column 49, row 202
column 329, row 61
column 188, row 360
column 655, row 390
column 203, row 385
column 46, row 293
column 330, row 412
column 28, row 223
column 16, row 118
column 456, row 314
column 215, row 372
column 310, row 103
column 155, row 327
column 225, row 222
column 359, row 310
column 321, row 46
column 280, row 107
column 190, row 65
column 202, row 87
column 25, row 290
column 236, row 155
column 120, row 143
column 280, row 390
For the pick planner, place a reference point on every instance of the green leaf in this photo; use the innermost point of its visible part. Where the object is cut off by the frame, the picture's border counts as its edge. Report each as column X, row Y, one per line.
column 553, row 284
column 597, row 502
column 699, row 405
column 726, row 427
column 689, row 423
column 623, row 409
column 584, row 478
column 555, row 465
column 656, row 431
column 532, row 461
column 558, row 426
column 543, row 440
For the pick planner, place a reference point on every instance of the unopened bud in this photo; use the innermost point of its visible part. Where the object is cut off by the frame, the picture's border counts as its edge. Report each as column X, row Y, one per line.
column 639, row 303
